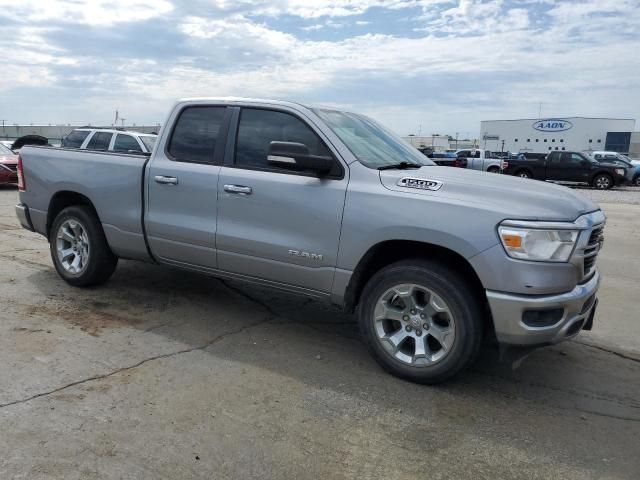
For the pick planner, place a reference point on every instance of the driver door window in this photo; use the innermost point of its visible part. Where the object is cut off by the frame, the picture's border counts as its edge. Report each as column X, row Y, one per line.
column 258, row 128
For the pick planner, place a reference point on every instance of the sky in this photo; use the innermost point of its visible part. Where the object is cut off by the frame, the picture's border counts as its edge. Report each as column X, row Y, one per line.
column 418, row 66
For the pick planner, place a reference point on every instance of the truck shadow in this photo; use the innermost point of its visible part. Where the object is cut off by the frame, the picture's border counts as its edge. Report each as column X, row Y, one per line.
column 319, row 345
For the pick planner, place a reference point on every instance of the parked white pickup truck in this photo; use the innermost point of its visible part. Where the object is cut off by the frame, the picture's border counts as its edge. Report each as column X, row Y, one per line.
column 483, row 160
column 331, row 205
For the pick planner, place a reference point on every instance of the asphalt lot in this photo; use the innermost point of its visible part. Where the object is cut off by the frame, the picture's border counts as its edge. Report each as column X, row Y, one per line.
column 166, row 374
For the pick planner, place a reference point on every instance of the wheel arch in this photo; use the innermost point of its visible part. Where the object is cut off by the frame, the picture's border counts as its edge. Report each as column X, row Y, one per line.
column 390, row 251
column 64, row 199
column 601, row 172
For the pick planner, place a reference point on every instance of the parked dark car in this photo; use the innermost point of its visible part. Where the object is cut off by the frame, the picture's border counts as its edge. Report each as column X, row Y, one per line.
column 574, row 167
column 447, row 159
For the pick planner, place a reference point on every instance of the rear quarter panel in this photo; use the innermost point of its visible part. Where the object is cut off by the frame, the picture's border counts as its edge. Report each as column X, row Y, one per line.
column 112, row 182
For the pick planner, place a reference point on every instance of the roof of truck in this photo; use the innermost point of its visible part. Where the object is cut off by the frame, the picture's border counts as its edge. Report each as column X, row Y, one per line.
column 242, row 100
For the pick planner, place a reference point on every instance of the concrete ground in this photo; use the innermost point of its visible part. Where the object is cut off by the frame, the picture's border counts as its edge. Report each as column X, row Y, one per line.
column 166, row 374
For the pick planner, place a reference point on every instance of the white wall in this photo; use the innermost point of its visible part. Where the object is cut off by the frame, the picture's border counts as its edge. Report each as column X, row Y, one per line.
column 570, row 133
column 437, row 142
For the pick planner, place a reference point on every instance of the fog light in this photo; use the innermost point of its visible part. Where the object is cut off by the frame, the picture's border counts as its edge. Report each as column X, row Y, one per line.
column 542, row 318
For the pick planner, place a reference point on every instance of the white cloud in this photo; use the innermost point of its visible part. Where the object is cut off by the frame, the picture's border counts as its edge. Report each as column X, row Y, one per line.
column 492, row 59
column 88, row 12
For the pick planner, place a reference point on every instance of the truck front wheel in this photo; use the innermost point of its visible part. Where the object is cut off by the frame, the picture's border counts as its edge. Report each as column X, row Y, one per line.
column 602, row 181
column 79, row 249
column 421, row 321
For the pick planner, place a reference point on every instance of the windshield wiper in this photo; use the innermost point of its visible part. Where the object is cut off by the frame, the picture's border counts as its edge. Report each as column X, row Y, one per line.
column 400, row 166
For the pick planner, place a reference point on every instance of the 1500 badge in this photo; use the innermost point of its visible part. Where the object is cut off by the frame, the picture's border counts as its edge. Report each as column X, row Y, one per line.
column 419, row 183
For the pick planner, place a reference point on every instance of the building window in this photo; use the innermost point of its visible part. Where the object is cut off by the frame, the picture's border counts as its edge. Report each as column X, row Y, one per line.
column 556, row 148
column 528, row 140
column 545, row 140
column 537, row 140
column 516, row 140
column 549, row 148
column 562, row 148
column 590, row 141
column 553, row 140
column 599, row 141
column 562, row 140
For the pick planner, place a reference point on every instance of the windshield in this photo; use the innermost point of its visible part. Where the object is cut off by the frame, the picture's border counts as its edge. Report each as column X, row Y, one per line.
column 5, row 150
column 149, row 141
column 372, row 144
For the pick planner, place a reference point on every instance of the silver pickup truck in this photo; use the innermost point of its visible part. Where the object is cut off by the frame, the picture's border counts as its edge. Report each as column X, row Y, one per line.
column 331, row 205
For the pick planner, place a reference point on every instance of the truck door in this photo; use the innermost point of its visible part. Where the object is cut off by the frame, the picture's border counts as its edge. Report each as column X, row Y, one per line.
column 567, row 167
column 556, row 166
column 276, row 224
column 182, row 182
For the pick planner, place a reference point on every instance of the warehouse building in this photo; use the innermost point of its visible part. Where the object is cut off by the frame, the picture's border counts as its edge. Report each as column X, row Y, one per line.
column 559, row 133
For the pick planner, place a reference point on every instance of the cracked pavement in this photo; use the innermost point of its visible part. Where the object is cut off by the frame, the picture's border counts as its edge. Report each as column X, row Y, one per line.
column 167, row 374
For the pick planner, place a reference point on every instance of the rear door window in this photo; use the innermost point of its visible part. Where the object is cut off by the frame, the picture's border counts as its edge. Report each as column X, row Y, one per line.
column 195, row 134
column 75, row 139
column 126, row 143
column 100, row 141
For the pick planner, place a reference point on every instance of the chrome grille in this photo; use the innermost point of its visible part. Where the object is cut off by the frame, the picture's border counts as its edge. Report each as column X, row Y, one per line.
column 596, row 239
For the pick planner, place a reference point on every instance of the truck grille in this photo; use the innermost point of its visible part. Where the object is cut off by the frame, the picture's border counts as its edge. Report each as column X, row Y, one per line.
column 596, row 239
column 13, row 168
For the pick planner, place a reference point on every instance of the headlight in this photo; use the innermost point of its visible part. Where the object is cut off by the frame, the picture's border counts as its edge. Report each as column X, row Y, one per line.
column 620, row 171
column 541, row 245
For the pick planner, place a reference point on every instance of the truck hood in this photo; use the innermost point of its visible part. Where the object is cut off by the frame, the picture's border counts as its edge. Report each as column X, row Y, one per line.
column 513, row 197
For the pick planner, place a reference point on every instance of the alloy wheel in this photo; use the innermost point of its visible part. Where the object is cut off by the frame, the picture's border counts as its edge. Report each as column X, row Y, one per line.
column 72, row 246
column 414, row 325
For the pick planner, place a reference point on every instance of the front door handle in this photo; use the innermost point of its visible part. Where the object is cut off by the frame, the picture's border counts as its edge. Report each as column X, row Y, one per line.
column 166, row 180
column 241, row 189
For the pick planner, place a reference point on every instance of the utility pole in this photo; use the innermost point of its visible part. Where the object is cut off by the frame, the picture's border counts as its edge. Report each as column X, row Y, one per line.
column 3, row 127
column 122, row 119
column 457, row 140
column 502, row 150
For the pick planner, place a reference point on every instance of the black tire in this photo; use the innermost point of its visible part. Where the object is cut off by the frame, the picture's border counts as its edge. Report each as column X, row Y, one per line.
column 602, row 181
column 463, row 303
column 101, row 261
column 523, row 174
column 493, row 169
column 636, row 181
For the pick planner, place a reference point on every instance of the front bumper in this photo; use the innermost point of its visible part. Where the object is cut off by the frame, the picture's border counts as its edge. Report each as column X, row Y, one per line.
column 508, row 309
column 22, row 212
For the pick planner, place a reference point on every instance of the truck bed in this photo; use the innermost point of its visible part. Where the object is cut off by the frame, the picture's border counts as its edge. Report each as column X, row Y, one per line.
column 113, row 181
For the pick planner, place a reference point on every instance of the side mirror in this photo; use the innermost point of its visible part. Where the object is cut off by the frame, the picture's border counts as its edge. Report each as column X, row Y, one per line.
column 295, row 156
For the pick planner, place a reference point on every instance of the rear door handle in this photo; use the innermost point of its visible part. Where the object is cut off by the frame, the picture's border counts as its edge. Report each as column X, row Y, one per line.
column 241, row 189
column 166, row 180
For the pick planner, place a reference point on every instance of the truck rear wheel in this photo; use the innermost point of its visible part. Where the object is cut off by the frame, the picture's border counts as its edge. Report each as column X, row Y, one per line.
column 420, row 321
column 79, row 249
column 602, row 181
column 524, row 174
